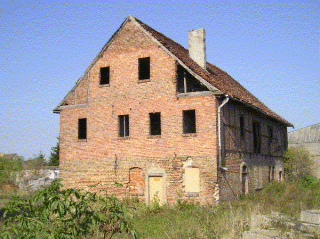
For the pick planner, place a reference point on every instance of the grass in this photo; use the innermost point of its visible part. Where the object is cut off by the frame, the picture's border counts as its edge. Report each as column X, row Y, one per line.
column 225, row 220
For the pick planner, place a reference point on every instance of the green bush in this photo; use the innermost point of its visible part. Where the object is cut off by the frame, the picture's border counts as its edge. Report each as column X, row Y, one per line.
column 297, row 162
column 70, row 213
column 9, row 169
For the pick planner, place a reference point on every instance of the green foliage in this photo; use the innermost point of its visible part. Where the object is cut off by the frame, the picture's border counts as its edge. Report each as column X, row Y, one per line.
column 35, row 163
column 310, row 182
column 70, row 213
column 9, row 169
column 54, row 155
column 297, row 162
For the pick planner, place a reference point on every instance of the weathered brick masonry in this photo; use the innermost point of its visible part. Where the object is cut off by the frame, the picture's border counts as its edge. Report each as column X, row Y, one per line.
column 142, row 162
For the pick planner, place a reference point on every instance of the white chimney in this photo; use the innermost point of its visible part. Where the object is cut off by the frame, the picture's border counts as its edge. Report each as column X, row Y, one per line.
column 197, row 46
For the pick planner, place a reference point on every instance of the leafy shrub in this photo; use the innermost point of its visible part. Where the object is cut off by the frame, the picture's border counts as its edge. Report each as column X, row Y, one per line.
column 309, row 182
column 69, row 213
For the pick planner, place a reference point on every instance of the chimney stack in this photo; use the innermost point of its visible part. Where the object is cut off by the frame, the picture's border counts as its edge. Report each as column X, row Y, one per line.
column 197, row 46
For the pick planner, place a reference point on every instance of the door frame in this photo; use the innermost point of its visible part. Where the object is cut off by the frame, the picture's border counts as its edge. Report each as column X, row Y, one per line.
column 156, row 172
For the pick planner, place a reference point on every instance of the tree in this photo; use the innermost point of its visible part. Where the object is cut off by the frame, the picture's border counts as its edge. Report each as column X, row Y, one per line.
column 54, row 157
column 297, row 162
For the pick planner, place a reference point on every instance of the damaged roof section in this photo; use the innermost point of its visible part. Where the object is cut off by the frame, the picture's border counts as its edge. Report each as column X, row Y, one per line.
column 217, row 80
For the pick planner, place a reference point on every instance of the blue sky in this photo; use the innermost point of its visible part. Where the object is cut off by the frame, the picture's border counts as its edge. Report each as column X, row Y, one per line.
column 270, row 47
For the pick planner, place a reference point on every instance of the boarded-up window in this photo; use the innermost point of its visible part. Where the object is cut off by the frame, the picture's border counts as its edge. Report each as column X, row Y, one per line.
column 136, row 182
column 144, row 68
column 189, row 121
column 192, row 180
column 104, row 75
column 82, row 128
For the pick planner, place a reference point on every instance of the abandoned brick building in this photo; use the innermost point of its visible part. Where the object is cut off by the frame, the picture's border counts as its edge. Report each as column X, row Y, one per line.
column 163, row 122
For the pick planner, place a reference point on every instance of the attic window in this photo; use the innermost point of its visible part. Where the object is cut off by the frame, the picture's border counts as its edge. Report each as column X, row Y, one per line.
column 189, row 121
column 104, row 75
column 155, row 123
column 82, row 128
column 187, row 82
column 144, row 68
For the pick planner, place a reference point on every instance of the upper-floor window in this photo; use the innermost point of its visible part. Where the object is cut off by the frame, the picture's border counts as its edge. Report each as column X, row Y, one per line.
column 82, row 128
column 256, row 130
column 270, row 136
column 187, row 82
column 242, row 130
column 189, row 121
column 104, row 75
column 123, row 125
column 155, row 123
column 144, row 68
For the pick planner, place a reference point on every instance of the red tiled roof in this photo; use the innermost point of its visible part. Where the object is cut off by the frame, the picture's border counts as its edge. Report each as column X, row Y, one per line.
column 214, row 75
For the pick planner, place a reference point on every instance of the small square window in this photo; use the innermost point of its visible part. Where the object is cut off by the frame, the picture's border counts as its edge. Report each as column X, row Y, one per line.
column 123, row 125
column 189, row 121
column 82, row 128
column 144, row 68
column 155, row 123
column 104, row 75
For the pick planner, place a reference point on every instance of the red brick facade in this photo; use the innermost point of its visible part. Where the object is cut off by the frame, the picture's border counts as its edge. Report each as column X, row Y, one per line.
column 103, row 158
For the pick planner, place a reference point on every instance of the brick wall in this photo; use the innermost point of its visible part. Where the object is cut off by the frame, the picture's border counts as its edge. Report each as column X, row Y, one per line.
column 104, row 157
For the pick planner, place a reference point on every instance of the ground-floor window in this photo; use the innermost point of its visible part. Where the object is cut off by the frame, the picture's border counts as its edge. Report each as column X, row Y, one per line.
column 192, row 180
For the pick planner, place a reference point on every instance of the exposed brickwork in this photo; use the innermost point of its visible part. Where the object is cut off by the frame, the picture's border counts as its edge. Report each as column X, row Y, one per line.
column 103, row 158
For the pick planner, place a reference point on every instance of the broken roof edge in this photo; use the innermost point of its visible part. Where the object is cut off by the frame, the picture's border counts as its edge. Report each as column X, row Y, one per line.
column 209, row 77
column 139, row 24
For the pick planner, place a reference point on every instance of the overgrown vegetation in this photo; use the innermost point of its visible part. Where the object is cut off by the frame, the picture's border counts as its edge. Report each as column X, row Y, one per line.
column 8, row 169
column 297, row 162
column 71, row 213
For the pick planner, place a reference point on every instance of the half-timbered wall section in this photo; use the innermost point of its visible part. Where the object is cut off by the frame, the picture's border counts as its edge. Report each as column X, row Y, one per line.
column 254, row 140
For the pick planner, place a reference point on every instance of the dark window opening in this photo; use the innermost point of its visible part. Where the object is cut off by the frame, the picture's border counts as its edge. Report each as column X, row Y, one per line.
column 155, row 123
column 187, row 82
column 270, row 136
column 242, row 131
column 144, row 68
column 189, row 121
column 82, row 128
column 104, row 75
column 123, row 125
column 256, row 129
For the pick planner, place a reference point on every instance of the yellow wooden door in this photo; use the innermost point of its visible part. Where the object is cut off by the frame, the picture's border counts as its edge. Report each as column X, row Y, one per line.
column 155, row 189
